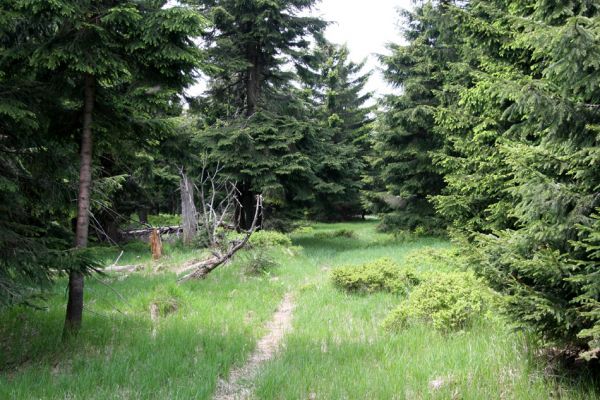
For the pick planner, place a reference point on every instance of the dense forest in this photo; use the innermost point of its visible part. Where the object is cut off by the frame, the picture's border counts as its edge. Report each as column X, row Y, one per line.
column 490, row 139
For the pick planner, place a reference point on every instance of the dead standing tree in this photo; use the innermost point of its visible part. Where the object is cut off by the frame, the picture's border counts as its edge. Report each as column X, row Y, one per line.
column 189, row 215
column 203, row 268
column 218, row 198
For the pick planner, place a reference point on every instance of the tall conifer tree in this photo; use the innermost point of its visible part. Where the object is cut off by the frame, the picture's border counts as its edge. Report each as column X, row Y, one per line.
column 336, row 91
column 406, row 135
column 116, row 62
column 521, row 160
column 256, row 125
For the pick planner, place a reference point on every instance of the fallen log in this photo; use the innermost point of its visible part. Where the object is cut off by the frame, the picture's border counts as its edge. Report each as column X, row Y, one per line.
column 205, row 267
column 163, row 230
column 123, row 268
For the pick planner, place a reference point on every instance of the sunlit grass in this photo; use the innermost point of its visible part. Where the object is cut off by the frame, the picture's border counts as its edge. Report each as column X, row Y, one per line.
column 337, row 349
column 122, row 353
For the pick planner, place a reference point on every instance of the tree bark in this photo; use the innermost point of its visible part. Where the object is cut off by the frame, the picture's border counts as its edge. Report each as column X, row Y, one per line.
column 245, row 208
column 252, row 87
column 189, row 215
column 143, row 215
column 76, row 281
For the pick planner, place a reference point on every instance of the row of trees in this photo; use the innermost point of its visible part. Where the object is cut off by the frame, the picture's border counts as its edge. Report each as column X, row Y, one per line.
column 95, row 125
column 496, row 135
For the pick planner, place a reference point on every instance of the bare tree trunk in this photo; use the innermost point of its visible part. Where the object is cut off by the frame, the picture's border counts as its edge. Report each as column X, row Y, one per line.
column 189, row 215
column 155, row 244
column 74, row 314
column 143, row 215
column 245, row 208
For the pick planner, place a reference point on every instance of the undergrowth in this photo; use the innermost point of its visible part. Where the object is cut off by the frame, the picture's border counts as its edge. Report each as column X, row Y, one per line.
column 447, row 300
column 379, row 275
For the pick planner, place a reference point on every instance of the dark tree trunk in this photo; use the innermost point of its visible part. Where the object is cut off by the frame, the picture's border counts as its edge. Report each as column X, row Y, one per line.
column 244, row 213
column 246, row 208
column 75, row 303
column 189, row 215
column 143, row 215
column 109, row 228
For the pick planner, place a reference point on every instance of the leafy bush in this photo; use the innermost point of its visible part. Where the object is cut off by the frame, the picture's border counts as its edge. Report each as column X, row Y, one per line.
column 339, row 233
column 448, row 301
column 257, row 262
column 264, row 239
column 164, row 220
column 378, row 275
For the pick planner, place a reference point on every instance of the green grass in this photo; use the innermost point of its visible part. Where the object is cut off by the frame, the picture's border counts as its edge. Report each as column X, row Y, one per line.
column 337, row 349
column 121, row 354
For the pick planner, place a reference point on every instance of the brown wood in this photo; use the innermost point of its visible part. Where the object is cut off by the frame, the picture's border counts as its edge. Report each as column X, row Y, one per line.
column 189, row 215
column 74, row 313
column 205, row 267
column 155, row 245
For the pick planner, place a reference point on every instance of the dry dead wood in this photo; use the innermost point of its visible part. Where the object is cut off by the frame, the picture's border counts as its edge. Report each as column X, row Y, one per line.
column 205, row 267
column 123, row 268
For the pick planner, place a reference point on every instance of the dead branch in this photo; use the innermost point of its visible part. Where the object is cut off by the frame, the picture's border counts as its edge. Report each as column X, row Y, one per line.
column 123, row 268
column 205, row 267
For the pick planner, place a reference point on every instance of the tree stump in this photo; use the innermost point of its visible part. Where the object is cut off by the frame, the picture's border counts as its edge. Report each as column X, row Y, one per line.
column 155, row 244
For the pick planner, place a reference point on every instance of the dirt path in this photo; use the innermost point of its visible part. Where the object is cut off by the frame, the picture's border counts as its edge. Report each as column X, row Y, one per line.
column 239, row 384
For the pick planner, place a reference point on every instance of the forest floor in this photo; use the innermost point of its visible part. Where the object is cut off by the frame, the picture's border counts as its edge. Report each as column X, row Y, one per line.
column 288, row 334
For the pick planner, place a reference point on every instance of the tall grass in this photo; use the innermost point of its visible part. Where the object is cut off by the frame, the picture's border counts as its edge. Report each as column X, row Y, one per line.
column 121, row 353
column 337, row 349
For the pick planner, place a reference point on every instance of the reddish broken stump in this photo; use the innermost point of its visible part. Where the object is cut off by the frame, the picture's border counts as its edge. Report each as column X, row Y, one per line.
column 155, row 244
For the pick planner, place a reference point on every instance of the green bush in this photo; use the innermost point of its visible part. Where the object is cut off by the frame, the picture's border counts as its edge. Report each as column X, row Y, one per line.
column 304, row 230
column 164, row 220
column 339, row 233
column 448, row 301
column 378, row 275
column 264, row 239
column 257, row 262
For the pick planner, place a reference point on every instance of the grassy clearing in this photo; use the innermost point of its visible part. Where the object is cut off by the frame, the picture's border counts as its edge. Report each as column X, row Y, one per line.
column 127, row 356
column 337, row 349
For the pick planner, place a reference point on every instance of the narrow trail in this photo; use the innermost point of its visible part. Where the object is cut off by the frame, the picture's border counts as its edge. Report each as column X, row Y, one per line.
column 239, row 383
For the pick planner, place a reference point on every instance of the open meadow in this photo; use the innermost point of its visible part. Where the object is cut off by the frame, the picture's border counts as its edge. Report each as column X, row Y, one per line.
column 200, row 331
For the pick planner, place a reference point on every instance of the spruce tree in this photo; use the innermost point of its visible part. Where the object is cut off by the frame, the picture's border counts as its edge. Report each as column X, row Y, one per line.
column 406, row 135
column 522, row 175
column 116, row 64
column 336, row 91
column 255, row 124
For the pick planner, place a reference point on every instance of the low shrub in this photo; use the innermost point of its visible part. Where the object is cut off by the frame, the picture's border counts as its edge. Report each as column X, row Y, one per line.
column 339, row 233
column 379, row 275
column 264, row 239
column 257, row 262
column 304, row 230
column 448, row 301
